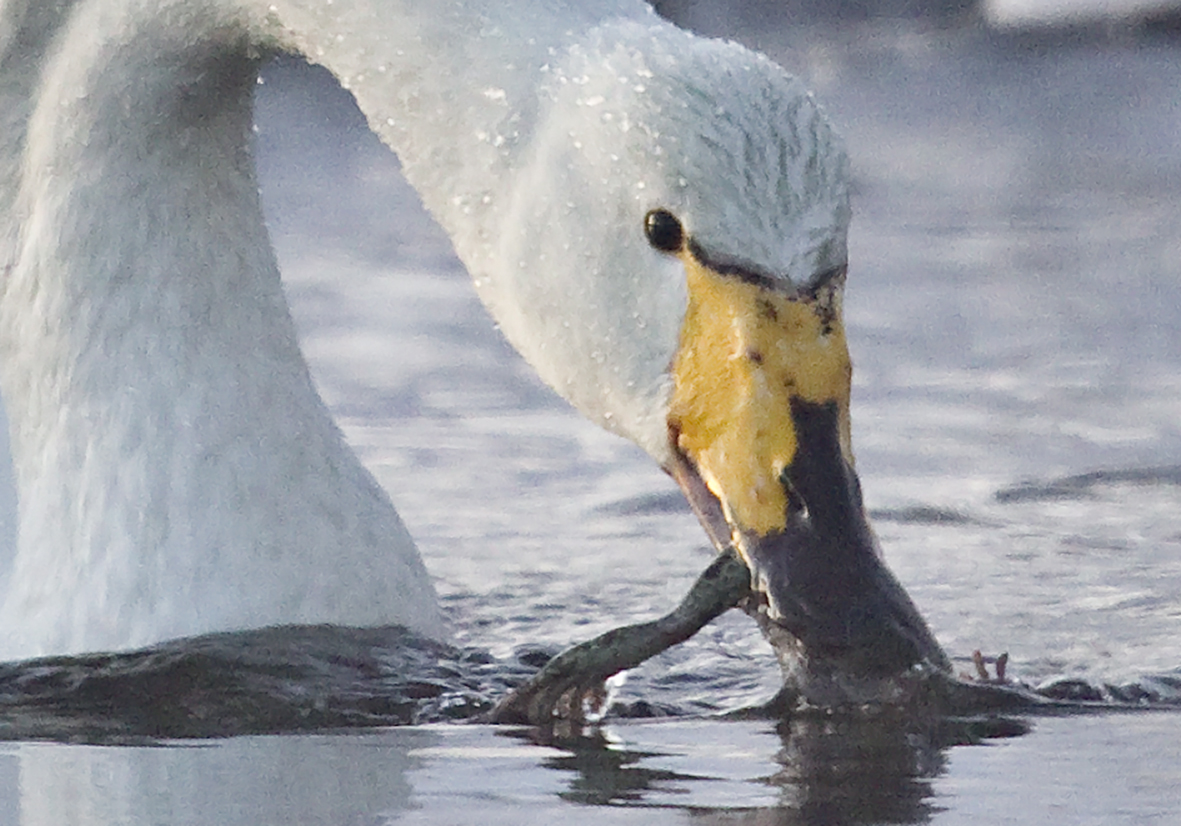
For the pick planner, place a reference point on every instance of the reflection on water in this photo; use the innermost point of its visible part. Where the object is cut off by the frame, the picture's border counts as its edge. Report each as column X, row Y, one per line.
column 825, row 768
column 305, row 780
column 700, row 772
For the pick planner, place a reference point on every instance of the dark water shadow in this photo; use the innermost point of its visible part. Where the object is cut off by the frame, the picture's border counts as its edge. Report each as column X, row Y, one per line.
column 274, row 680
column 1081, row 485
column 299, row 679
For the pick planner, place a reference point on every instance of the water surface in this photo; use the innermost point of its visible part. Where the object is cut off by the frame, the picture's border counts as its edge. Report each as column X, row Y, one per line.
column 1084, row 771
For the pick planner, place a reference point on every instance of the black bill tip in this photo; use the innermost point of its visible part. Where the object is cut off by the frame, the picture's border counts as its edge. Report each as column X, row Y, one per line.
column 823, row 578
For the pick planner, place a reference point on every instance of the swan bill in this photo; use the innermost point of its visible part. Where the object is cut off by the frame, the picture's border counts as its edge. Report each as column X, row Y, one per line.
column 759, row 425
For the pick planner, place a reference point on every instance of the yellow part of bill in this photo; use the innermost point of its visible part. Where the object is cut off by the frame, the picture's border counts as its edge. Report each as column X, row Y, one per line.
column 746, row 351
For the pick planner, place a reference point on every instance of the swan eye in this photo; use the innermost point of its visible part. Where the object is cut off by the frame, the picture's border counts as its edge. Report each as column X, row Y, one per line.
column 664, row 231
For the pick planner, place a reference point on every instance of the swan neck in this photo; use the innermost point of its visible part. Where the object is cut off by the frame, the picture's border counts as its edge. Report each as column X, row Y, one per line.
column 177, row 472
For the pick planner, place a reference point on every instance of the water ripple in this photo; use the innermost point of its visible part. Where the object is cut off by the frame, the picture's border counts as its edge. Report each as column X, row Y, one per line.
column 316, row 678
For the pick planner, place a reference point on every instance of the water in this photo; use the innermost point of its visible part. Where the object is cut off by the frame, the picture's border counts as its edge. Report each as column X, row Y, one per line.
column 1013, row 315
column 679, row 772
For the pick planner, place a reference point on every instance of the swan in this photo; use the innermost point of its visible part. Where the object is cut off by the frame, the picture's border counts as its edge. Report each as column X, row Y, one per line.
column 657, row 222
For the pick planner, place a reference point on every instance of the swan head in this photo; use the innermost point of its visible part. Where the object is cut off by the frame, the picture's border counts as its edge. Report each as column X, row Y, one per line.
column 637, row 120
column 672, row 258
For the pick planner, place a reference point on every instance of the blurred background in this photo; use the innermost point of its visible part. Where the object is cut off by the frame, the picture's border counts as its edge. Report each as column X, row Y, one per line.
column 714, row 16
